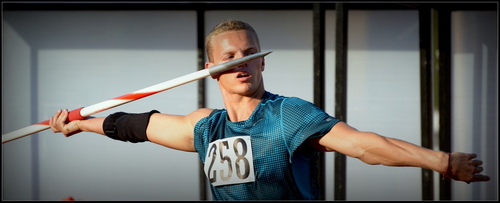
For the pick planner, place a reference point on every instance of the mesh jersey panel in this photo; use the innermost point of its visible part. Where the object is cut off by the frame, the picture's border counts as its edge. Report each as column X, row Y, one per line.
column 284, row 168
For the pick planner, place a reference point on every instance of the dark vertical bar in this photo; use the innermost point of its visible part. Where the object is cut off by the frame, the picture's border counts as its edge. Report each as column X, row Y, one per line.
column 200, row 38
column 35, row 158
column 444, row 43
column 426, row 97
column 319, row 78
column 340, row 95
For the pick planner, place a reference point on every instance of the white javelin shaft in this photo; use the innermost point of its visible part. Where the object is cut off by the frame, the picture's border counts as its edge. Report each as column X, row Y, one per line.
column 82, row 113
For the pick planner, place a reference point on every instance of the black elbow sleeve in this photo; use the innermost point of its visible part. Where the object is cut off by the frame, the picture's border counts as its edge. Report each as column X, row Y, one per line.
column 127, row 127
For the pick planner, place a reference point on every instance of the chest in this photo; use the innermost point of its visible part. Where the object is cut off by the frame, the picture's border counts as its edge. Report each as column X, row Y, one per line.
column 241, row 154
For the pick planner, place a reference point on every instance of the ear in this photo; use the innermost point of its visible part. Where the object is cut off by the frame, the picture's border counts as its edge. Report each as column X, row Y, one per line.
column 263, row 64
column 208, row 65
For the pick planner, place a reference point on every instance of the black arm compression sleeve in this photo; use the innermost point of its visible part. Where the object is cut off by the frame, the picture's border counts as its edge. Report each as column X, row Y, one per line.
column 127, row 127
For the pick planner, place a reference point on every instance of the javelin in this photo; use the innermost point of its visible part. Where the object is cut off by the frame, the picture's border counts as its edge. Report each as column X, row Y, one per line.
column 84, row 112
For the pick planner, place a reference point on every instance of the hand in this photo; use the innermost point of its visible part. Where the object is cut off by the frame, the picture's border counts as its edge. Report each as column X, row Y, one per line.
column 464, row 167
column 58, row 124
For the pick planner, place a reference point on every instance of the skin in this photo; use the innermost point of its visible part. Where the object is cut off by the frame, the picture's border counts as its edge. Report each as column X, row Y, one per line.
column 242, row 89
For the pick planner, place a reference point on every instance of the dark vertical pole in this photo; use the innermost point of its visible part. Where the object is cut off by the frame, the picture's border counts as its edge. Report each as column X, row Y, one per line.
column 426, row 97
column 319, row 78
column 444, row 43
column 200, row 38
column 35, row 150
column 340, row 94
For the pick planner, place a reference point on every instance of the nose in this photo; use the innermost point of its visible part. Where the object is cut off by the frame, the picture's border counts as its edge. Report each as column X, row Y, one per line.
column 240, row 54
column 240, row 67
column 243, row 65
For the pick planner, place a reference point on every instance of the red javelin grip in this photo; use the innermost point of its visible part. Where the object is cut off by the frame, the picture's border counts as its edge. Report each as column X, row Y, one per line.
column 72, row 116
column 75, row 115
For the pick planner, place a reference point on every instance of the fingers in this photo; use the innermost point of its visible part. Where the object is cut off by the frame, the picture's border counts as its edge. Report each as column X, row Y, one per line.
column 466, row 168
column 478, row 169
column 476, row 166
column 476, row 162
column 53, row 121
column 476, row 177
column 479, row 177
column 58, row 121
column 62, row 116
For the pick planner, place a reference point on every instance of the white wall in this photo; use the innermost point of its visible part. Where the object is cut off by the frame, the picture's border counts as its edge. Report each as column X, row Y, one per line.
column 16, row 113
column 475, row 97
column 70, row 59
column 384, row 97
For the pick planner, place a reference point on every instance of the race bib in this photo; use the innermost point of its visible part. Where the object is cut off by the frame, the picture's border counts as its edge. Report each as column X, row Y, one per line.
column 230, row 161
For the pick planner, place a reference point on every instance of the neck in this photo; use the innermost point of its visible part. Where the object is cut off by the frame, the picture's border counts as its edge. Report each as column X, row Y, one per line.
column 240, row 107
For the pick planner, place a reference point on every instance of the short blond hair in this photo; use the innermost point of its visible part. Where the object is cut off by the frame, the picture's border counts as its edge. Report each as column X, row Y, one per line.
column 225, row 26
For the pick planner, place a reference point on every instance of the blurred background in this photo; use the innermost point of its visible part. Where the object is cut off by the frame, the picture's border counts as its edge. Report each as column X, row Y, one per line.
column 71, row 55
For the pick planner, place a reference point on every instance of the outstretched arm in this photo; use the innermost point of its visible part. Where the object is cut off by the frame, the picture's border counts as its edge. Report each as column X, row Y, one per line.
column 372, row 148
column 173, row 131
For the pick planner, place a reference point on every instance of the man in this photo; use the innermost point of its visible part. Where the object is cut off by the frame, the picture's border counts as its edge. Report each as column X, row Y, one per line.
column 263, row 146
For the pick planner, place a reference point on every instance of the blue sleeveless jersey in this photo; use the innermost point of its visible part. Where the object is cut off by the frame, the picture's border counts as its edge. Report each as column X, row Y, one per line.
column 285, row 167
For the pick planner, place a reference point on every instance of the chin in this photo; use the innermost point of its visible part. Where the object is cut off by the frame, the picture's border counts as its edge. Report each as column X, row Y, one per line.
column 243, row 91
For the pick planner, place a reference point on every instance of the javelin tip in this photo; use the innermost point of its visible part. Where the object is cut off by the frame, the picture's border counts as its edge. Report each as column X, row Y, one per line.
column 231, row 64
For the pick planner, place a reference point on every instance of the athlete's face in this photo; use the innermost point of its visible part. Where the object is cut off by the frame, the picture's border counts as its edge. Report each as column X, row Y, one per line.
column 244, row 79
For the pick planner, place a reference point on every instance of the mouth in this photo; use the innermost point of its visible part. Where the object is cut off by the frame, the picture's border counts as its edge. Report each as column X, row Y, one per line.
column 243, row 75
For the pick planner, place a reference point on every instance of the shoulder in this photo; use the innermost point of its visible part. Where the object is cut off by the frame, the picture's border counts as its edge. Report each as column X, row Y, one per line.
column 202, row 112
column 270, row 98
column 288, row 104
column 203, row 117
column 298, row 103
column 285, row 99
column 199, row 114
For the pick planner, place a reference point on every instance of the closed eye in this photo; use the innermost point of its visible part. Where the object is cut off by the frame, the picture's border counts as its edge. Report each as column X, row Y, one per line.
column 247, row 53
column 230, row 57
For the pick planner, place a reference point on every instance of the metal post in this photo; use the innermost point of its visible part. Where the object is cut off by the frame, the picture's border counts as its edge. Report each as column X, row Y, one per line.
column 319, row 78
column 340, row 95
column 444, row 47
column 426, row 97
column 200, row 26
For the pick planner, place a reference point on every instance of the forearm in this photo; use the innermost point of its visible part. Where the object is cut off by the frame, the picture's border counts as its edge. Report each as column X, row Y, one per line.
column 119, row 126
column 394, row 152
column 92, row 125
